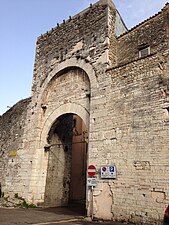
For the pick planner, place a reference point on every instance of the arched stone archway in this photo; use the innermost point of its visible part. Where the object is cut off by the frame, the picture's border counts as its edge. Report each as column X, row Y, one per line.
column 63, row 109
column 67, row 162
column 39, row 175
column 66, row 65
column 65, row 91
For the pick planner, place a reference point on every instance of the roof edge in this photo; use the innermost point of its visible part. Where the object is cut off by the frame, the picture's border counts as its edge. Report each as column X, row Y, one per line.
column 165, row 8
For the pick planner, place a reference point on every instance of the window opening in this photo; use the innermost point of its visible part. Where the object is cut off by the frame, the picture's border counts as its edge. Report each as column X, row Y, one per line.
column 143, row 52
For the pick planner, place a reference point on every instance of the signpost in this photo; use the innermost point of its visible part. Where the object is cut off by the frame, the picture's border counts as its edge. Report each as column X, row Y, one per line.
column 91, row 182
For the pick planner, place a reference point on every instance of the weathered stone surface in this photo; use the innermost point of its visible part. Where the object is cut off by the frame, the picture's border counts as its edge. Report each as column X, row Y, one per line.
column 10, row 202
column 12, row 125
column 82, row 68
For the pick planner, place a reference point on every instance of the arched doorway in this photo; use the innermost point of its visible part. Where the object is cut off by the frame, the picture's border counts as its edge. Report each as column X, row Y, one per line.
column 67, row 161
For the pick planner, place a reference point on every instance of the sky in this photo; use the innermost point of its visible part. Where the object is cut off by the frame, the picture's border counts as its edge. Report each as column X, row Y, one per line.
column 22, row 21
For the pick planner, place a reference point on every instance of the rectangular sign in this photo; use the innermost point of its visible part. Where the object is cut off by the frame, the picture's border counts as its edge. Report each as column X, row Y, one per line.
column 12, row 152
column 91, row 181
column 108, row 172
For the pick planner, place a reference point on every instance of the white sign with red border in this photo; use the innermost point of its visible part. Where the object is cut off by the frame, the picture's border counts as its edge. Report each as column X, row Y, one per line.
column 91, row 170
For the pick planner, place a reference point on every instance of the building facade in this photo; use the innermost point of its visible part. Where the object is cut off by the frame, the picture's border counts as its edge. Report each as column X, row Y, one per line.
column 100, row 96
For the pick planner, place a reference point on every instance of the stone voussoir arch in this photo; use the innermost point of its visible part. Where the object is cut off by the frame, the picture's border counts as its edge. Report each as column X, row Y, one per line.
column 63, row 109
column 70, row 63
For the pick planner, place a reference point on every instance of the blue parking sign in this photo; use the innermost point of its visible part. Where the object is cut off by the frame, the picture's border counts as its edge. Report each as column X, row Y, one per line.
column 111, row 169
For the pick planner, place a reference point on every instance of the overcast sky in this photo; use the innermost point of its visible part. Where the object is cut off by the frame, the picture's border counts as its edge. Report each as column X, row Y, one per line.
column 22, row 21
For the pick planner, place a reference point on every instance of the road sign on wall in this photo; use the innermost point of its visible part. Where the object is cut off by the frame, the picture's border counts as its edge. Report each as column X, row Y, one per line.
column 91, row 170
column 108, row 172
column 91, row 181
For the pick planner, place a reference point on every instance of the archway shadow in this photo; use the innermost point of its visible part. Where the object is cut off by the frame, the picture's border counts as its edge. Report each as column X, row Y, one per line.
column 72, row 209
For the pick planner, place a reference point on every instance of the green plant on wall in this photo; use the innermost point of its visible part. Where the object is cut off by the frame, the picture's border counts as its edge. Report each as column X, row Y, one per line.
column 23, row 204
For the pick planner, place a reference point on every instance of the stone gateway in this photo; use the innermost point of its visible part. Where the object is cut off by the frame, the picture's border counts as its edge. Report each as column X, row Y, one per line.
column 100, row 96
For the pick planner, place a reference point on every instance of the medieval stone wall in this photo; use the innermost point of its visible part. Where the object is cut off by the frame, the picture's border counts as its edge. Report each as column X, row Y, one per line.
column 81, row 67
column 69, row 89
column 152, row 32
column 12, row 125
column 138, row 145
column 80, row 42
column 134, row 135
column 70, row 86
column 82, row 36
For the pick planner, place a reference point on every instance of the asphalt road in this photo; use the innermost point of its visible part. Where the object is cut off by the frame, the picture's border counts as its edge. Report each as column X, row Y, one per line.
column 48, row 216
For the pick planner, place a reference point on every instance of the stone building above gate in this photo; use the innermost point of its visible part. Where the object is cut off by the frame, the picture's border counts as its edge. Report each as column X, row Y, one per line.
column 100, row 97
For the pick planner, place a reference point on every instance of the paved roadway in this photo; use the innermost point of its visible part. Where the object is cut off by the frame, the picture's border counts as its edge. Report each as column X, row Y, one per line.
column 48, row 216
